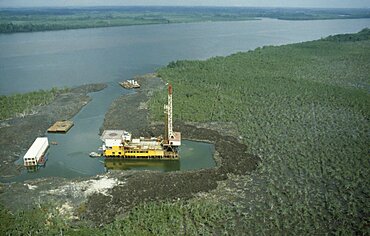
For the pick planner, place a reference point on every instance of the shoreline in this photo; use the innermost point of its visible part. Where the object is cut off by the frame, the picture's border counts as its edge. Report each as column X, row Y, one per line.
column 130, row 188
column 21, row 20
column 301, row 117
column 148, row 24
column 17, row 134
column 230, row 155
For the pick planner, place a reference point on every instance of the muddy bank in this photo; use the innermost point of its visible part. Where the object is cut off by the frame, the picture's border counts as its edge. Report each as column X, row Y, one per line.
column 142, row 186
column 101, row 198
column 16, row 135
column 130, row 113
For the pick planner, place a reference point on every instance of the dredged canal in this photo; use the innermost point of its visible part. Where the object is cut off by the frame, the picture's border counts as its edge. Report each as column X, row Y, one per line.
column 43, row 60
column 69, row 158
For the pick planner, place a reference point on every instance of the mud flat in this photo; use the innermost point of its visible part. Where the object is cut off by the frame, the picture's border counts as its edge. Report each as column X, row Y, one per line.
column 131, row 113
column 17, row 134
column 101, row 198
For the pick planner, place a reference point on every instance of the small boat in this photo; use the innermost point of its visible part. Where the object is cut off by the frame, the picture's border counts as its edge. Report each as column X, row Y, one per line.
column 94, row 154
column 53, row 143
column 42, row 161
column 129, row 84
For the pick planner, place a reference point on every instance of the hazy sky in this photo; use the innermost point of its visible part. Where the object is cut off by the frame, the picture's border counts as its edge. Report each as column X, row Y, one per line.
column 253, row 3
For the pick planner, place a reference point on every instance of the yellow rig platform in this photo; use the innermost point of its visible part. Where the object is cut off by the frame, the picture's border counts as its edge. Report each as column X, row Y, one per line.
column 120, row 144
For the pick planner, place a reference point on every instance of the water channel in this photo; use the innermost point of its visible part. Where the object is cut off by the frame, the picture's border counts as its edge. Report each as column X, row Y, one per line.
column 44, row 60
column 70, row 157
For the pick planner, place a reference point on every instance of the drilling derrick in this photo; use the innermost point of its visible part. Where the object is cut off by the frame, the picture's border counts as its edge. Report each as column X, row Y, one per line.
column 169, row 113
column 121, row 144
column 172, row 138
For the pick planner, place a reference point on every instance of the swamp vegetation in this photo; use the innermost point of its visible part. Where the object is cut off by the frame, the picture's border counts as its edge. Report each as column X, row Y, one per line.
column 19, row 105
column 195, row 217
column 302, row 108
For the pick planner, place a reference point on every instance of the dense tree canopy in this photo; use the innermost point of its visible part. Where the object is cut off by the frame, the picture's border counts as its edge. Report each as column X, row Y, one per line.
column 304, row 109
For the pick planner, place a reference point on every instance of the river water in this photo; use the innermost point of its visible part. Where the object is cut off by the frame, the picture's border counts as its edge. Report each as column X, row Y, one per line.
column 30, row 61
column 42, row 60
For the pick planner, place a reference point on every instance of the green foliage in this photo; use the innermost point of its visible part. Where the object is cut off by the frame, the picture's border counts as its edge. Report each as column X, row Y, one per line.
column 36, row 221
column 362, row 35
column 11, row 22
column 29, row 20
column 191, row 218
column 304, row 109
column 23, row 104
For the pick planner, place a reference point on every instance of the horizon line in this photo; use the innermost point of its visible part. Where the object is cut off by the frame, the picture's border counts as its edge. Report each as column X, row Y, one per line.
column 178, row 6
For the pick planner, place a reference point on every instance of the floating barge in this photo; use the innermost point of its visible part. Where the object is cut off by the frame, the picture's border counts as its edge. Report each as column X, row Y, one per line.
column 35, row 156
column 130, row 84
column 120, row 143
column 61, row 126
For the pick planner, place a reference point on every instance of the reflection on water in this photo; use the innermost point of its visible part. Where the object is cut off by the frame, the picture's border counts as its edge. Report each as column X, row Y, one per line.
column 43, row 60
column 70, row 158
column 31, row 169
column 193, row 155
column 65, row 163
column 161, row 165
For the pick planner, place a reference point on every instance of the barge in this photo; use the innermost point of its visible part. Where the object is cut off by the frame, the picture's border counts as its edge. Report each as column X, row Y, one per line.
column 120, row 143
column 129, row 84
column 36, row 154
column 62, row 126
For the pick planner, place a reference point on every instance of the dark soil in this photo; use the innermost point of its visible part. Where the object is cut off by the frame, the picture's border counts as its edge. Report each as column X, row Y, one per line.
column 127, row 113
column 17, row 135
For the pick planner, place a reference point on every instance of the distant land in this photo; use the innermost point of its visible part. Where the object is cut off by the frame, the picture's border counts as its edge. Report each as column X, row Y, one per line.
column 14, row 20
column 302, row 108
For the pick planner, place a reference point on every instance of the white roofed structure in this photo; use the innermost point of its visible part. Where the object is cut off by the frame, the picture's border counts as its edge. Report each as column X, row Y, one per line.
column 36, row 151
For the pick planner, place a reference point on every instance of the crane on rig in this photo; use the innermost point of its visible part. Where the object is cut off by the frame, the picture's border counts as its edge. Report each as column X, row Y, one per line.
column 120, row 143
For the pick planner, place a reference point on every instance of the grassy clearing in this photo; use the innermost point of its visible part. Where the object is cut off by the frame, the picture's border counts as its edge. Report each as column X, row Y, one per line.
column 19, row 105
column 304, row 109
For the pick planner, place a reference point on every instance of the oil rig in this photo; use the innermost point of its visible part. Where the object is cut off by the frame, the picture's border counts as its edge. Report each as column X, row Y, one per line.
column 119, row 144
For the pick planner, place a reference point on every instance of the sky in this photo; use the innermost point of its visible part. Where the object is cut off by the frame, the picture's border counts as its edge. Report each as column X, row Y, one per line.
column 245, row 3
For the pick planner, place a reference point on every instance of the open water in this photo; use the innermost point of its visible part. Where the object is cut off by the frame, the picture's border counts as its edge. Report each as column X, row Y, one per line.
column 42, row 60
